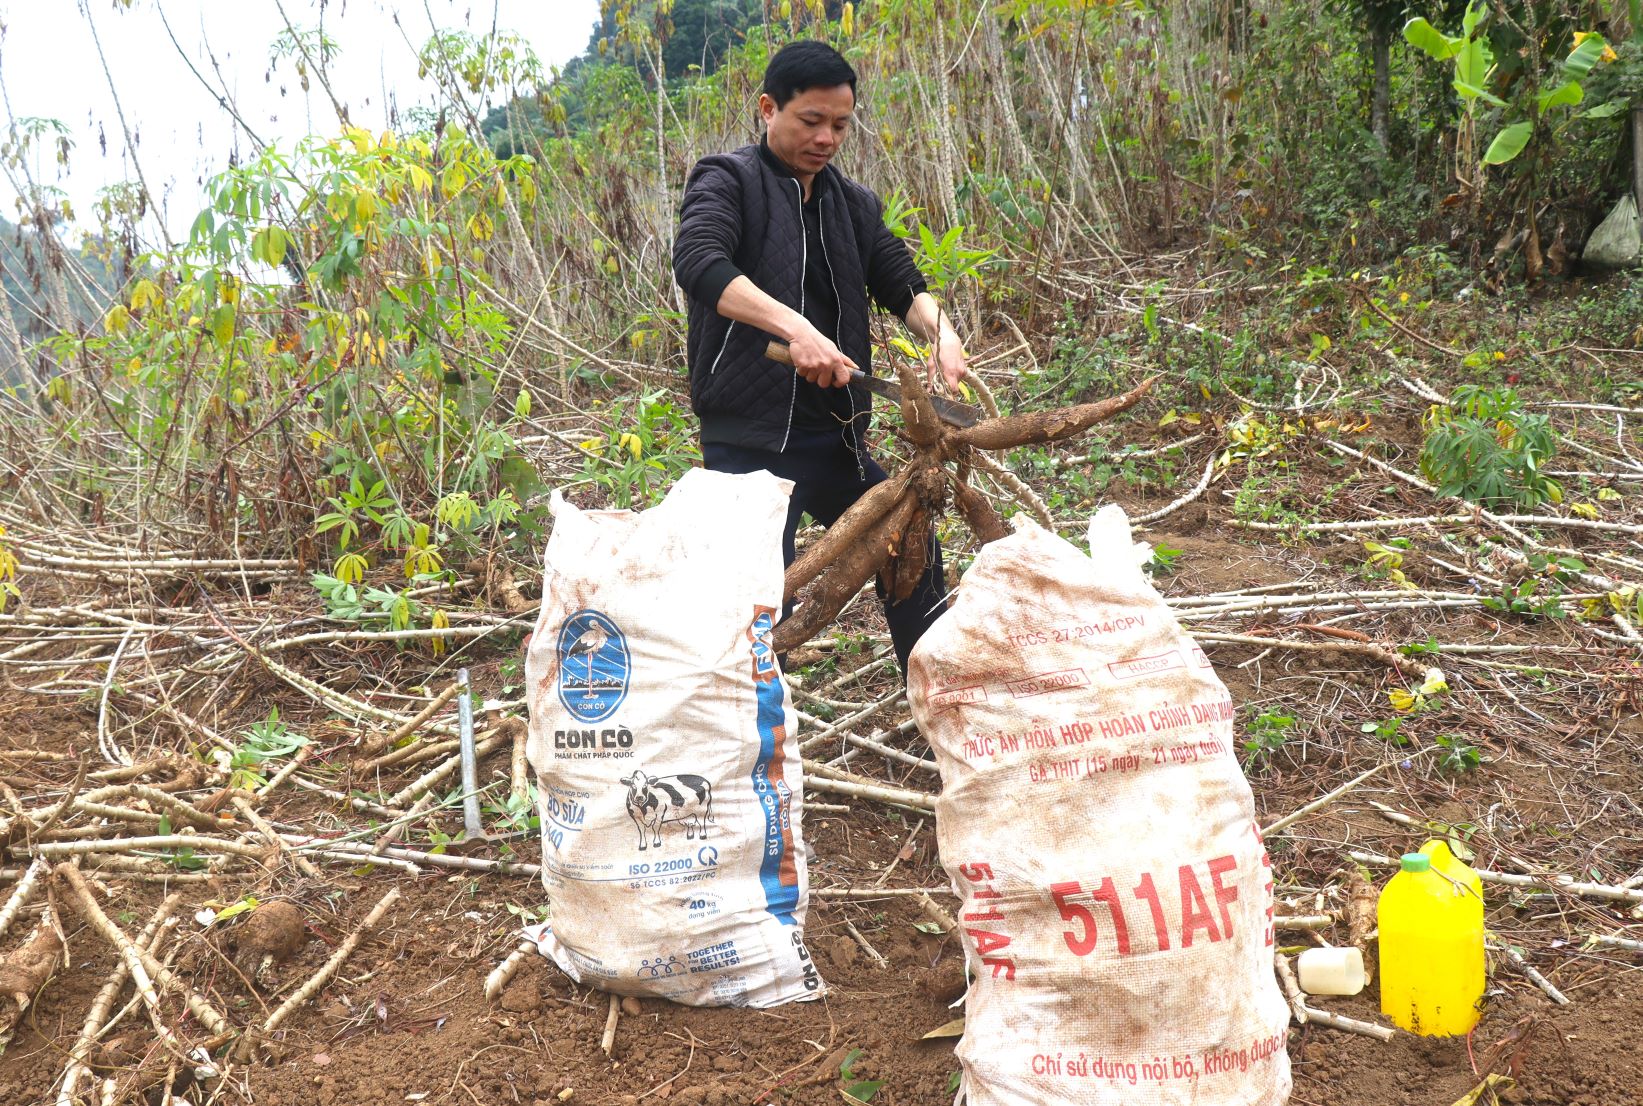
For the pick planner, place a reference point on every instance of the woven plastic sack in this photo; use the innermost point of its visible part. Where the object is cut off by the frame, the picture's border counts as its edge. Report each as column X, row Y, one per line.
column 668, row 790
column 1117, row 898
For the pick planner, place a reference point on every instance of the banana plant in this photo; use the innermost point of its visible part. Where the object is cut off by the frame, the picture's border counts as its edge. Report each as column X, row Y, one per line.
column 1475, row 71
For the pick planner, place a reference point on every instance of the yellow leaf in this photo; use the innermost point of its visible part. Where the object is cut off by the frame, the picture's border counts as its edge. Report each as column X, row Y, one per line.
column 350, row 568
column 903, row 346
column 145, row 293
column 847, row 20
column 1434, row 684
column 1401, row 700
column 954, row 1028
column 117, row 319
column 632, row 444
column 1492, row 1082
column 1583, row 510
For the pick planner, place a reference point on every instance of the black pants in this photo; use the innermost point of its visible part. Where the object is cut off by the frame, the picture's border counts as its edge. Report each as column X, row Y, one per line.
column 826, row 481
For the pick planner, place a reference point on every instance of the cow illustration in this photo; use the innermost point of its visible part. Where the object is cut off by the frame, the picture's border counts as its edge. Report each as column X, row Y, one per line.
column 654, row 800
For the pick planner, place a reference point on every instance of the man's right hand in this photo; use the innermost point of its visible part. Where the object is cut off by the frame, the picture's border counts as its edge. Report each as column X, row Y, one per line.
column 818, row 360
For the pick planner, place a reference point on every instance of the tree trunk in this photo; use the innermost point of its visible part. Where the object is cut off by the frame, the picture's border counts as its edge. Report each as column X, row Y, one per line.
column 1637, row 163
column 1380, row 97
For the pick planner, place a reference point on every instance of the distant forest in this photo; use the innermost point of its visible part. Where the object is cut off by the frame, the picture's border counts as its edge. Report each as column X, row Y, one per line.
column 694, row 35
column 46, row 282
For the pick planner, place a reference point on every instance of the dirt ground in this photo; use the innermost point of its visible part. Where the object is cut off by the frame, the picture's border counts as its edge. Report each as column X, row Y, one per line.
column 406, row 1020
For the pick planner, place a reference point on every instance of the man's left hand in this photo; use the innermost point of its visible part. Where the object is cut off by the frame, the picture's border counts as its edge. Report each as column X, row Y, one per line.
column 947, row 362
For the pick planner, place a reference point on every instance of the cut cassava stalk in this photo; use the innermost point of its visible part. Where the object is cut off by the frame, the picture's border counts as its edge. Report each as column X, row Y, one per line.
column 1324, row 800
column 406, row 729
column 1304, row 923
column 144, row 968
column 819, row 777
column 1018, row 487
column 484, row 747
column 269, row 834
column 607, row 1039
column 504, row 971
column 1531, row 973
column 1040, row 427
column 1550, row 882
column 320, row 978
column 1305, row 1014
column 133, row 844
column 21, row 894
column 179, row 809
column 100, row 1006
column 1406, row 665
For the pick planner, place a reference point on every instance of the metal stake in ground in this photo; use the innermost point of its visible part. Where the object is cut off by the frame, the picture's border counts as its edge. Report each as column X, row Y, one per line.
column 472, row 828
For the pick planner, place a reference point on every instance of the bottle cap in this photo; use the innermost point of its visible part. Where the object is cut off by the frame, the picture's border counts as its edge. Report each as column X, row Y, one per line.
column 1415, row 862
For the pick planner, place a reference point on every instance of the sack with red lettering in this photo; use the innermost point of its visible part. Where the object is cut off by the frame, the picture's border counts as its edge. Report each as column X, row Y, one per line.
column 669, row 793
column 1117, row 899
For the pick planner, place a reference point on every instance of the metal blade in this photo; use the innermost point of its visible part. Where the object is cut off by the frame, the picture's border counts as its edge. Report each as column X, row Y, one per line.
column 956, row 414
column 948, row 411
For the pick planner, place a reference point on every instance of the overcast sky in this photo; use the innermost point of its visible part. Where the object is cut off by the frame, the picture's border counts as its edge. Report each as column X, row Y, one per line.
column 49, row 67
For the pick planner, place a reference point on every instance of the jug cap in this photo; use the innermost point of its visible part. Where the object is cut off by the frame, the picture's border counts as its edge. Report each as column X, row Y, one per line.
column 1415, row 862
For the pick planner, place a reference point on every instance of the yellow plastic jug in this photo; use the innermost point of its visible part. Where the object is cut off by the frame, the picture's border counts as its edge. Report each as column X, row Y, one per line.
column 1431, row 947
column 1447, row 863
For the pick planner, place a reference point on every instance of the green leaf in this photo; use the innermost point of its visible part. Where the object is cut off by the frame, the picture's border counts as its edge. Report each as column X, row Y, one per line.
column 1475, row 11
column 1606, row 111
column 274, row 241
column 1566, row 94
column 1509, row 143
column 1583, row 57
column 1423, row 36
column 222, row 324
column 1475, row 92
column 247, row 903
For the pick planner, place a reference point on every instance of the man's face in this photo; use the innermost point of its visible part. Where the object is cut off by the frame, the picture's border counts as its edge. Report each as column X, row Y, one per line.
column 811, row 128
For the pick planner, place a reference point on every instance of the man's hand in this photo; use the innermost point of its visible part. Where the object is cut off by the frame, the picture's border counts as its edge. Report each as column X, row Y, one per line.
column 947, row 362
column 926, row 319
column 818, row 360
column 815, row 357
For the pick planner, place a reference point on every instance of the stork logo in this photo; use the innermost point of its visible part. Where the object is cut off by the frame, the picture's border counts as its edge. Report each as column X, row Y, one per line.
column 594, row 666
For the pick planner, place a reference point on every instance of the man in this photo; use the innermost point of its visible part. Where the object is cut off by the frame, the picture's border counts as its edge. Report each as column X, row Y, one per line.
column 774, row 242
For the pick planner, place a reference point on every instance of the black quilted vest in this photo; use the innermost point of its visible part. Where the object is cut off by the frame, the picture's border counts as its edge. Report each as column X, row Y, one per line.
column 741, row 396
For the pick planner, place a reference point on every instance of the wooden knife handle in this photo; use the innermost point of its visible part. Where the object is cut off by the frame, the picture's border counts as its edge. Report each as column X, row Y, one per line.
column 777, row 351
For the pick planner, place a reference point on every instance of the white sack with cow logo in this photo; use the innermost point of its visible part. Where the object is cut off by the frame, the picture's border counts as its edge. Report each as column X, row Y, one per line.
column 668, row 790
column 1117, row 898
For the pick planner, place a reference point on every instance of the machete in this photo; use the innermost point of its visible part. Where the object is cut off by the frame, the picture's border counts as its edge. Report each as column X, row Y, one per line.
column 955, row 414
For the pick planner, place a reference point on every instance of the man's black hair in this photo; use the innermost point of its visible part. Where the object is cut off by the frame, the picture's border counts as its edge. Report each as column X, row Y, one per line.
column 806, row 64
